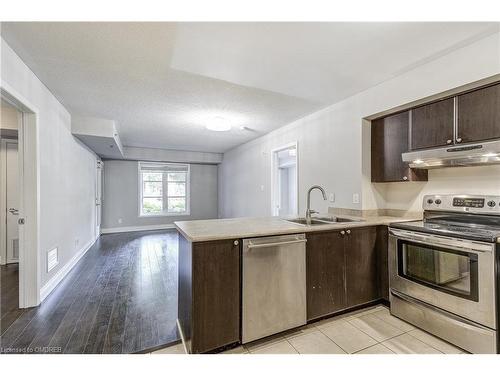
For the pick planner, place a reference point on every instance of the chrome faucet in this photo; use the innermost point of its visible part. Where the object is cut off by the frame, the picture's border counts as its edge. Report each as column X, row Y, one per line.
column 308, row 210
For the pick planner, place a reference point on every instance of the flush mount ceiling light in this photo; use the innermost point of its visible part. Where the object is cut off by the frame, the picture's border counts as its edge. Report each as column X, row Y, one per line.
column 218, row 124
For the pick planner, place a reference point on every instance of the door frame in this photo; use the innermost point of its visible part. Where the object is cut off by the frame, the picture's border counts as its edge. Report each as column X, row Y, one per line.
column 3, row 198
column 275, row 189
column 98, row 197
column 29, row 196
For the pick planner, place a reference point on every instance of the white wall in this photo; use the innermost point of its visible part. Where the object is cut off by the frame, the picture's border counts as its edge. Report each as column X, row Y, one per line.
column 121, row 196
column 67, row 168
column 334, row 143
column 469, row 180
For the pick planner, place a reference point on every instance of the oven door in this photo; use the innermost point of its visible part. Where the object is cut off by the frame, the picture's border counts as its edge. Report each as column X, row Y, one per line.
column 455, row 275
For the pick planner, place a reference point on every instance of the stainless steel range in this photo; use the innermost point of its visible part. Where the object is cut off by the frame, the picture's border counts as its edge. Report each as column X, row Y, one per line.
column 443, row 270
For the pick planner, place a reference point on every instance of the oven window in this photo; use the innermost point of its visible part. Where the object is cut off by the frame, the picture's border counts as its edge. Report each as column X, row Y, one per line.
column 453, row 272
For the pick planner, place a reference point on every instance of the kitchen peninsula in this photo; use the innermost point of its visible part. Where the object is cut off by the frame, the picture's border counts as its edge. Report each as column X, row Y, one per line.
column 345, row 268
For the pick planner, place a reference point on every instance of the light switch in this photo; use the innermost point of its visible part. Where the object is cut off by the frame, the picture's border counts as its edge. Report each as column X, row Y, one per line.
column 355, row 198
column 261, row 187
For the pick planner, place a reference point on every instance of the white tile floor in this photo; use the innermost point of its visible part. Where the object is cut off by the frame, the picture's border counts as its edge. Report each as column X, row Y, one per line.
column 368, row 331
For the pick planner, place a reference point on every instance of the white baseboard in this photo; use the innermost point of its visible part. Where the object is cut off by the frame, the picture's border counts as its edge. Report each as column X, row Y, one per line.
column 137, row 229
column 63, row 271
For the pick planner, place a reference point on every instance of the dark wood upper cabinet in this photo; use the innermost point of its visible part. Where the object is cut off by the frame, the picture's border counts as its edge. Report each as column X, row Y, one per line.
column 479, row 115
column 473, row 116
column 362, row 276
column 389, row 140
column 325, row 269
column 432, row 125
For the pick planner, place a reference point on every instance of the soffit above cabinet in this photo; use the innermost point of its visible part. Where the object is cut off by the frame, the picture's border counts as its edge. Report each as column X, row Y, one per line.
column 99, row 135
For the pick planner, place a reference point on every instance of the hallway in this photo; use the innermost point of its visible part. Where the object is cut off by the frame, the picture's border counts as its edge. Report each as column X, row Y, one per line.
column 121, row 297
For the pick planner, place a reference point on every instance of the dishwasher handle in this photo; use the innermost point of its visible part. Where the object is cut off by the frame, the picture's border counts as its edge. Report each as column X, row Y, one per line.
column 270, row 244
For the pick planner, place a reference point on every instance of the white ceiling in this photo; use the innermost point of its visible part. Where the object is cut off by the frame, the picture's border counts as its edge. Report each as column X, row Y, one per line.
column 161, row 82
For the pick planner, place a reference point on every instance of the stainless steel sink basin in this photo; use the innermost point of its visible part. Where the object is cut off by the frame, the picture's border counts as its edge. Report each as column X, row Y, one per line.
column 323, row 220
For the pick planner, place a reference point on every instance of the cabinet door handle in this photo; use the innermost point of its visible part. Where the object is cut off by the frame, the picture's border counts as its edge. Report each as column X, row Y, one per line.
column 459, row 140
column 405, row 178
column 342, row 232
column 236, row 243
column 348, row 231
column 448, row 141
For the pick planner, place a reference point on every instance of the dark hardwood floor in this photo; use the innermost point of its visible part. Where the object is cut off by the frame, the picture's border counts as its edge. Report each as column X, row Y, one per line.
column 9, row 296
column 121, row 297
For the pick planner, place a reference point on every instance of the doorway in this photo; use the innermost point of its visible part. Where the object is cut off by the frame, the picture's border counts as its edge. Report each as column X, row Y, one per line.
column 9, row 193
column 10, row 118
column 284, row 180
column 26, row 248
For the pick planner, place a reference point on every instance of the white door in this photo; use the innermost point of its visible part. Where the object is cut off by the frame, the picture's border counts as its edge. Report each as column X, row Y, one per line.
column 12, row 195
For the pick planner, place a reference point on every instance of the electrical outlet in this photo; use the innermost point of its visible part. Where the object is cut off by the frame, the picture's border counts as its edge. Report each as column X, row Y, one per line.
column 120, row 221
column 332, row 197
column 355, row 198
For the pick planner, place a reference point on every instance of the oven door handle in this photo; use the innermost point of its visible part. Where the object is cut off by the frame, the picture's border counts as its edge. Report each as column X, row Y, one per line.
column 451, row 243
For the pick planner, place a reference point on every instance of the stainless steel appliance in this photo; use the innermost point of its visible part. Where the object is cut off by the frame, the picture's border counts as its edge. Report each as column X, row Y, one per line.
column 274, row 285
column 455, row 156
column 443, row 270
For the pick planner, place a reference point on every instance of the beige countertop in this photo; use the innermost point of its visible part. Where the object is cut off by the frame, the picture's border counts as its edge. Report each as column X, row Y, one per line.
column 246, row 227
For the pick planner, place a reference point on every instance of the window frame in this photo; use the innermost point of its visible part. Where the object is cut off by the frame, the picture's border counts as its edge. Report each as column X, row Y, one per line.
column 165, row 195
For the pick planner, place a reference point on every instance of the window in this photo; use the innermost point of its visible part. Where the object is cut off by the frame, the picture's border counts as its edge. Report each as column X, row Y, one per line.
column 164, row 189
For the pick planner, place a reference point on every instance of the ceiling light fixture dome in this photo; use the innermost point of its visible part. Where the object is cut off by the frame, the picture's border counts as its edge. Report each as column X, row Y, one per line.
column 218, row 124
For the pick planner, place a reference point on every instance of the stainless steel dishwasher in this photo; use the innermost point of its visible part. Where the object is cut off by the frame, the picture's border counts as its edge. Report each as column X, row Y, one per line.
column 274, row 285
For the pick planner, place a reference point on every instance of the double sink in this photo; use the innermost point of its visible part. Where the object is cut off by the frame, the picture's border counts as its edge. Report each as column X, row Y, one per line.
column 323, row 220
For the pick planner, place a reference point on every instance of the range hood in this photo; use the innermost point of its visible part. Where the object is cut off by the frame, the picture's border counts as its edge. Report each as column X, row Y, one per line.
column 455, row 156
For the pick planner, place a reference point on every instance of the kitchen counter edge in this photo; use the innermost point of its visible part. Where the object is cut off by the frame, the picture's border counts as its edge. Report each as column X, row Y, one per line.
column 192, row 235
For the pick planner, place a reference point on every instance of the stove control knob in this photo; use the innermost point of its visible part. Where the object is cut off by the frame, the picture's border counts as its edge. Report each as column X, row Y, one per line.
column 430, row 201
column 492, row 203
column 438, row 201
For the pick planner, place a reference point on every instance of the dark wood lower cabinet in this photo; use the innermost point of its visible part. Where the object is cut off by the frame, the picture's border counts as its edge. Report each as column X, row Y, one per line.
column 361, row 266
column 383, row 261
column 325, row 273
column 209, row 294
column 345, row 270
